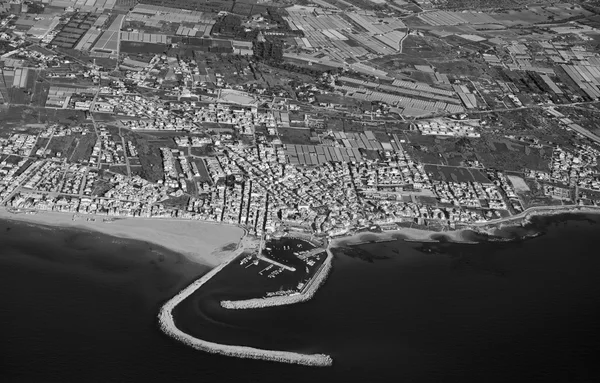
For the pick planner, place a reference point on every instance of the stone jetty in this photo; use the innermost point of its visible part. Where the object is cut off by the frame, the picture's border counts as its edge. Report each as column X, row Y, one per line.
column 168, row 326
column 307, row 293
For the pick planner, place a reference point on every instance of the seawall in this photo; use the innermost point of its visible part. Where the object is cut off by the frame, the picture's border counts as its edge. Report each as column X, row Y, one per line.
column 168, row 326
column 308, row 292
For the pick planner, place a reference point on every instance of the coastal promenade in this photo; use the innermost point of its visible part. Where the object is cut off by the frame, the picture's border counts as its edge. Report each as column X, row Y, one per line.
column 169, row 327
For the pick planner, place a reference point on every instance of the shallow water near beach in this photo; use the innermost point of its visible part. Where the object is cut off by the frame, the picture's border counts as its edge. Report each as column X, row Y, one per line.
column 76, row 306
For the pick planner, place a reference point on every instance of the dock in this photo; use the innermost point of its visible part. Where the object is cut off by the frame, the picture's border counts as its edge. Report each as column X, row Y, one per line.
column 263, row 258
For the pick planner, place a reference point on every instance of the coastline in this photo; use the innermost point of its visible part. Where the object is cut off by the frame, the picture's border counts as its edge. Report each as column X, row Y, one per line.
column 458, row 236
column 168, row 326
column 525, row 217
column 407, row 234
column 199, row 241
column 205, row 242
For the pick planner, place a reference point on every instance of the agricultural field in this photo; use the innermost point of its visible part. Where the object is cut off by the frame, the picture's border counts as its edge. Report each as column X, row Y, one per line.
column 199, row 5
column 295, row 136
column 583, row 116
column 40, row 93
column 17, row 115
column 20, row 115
column 138, row 47
column 530, row 125
column 491, row 4
column 511, row 155
column 426, row 149
column 18, row 96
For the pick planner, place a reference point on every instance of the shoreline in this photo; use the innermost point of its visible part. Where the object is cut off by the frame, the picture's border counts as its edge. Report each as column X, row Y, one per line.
column 189, row 238
column 174, row 238
column 408, row 234
column 202, row 242
column 168, row 326
column 537, row 211
column 308, row 292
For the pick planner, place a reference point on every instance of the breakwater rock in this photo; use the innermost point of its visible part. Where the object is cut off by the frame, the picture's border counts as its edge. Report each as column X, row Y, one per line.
column 556, row 210
column 307, row 293
column 526, row 216
column 168, row 326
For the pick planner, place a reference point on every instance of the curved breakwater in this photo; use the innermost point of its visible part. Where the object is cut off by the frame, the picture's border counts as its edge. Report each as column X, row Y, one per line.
column 307, row 294
column 168, row 326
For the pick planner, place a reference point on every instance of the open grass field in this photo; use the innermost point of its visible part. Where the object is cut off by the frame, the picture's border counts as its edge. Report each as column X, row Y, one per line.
column 104, row 117
column 150, row 159
column 119, row 169
column 136, row 170
column 62, row 146
column 455, row 174
column 84, row 147
column 18, row 115
column 40, row 93
column 204, row 175
column 40, row 143
column 295, row 136
column 511, row 155
column 18, row 96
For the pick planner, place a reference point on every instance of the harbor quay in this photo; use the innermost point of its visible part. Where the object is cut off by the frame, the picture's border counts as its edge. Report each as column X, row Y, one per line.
column 306, row 294
column 169, row 327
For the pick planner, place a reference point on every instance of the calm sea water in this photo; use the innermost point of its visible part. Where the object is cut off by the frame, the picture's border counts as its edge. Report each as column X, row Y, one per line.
column 79, row 307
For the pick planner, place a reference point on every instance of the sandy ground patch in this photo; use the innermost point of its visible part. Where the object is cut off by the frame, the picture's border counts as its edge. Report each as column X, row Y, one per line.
column 200, row 241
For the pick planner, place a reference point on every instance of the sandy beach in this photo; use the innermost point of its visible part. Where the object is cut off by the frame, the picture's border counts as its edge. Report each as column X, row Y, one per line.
column 200, row 241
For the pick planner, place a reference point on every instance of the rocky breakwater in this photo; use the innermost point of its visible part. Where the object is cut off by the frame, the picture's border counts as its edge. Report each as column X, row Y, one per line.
column 168, row 326
column 526, row 216
column 307, row 292
column 556, row 210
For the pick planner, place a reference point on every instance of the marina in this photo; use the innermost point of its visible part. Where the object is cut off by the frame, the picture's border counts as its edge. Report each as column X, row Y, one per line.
column 168, row 326
column 290, row 262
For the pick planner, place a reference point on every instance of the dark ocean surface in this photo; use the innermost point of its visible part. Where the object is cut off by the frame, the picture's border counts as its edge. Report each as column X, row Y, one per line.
column 81, row 307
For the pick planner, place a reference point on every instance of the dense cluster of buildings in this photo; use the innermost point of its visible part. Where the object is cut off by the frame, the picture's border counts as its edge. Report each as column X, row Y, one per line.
column 577, row 168
column 332, row 182
column 441, row 127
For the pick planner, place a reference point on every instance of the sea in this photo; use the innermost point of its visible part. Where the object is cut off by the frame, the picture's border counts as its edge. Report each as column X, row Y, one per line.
column 77, row 306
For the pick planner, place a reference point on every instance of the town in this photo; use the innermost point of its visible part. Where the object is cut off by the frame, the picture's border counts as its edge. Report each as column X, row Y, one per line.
column 320, row 117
